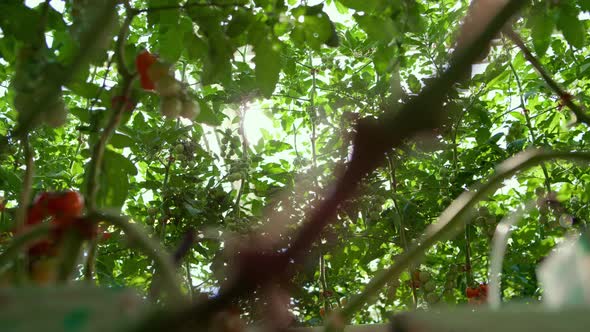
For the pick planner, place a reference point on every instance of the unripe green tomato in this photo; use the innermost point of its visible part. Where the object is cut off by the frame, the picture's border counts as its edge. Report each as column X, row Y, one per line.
column 180, row 157
column 170, row 107
column 432, row 298
column 429, row 286
column 168, row 86
column 234, row 177
column 152, row 211
column 424, row 276
column 540, row 191
column 190, row 110
column 179, row 148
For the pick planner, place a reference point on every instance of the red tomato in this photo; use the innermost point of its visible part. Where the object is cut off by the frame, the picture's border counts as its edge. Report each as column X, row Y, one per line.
column 474, row 300
column 106, row 236
column 147, row 83
column 66, row 204
column 42, row 200
column 472, row 292
column 143, row 61
column 35, row 215
column 483, row 290
column 43, row 248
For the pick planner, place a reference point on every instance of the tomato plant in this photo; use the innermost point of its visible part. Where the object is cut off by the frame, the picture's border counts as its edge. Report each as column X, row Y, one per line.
column 331, row 134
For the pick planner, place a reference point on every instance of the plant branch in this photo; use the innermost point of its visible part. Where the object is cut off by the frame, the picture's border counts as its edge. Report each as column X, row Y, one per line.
column 120, row 47
column 374, row 138
column 563, row 95
column 98, row 151
column 95, row 169
column 151, row 248
column 451, row 221
column 23, row 240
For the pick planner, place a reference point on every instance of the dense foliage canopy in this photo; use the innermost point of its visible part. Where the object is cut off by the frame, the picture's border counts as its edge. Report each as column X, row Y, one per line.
column 278, row 86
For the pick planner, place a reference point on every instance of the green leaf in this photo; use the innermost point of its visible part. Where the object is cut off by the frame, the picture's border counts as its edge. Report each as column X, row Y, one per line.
column 207, row 115
column 169, row 16
column 572, row 28
column 217, row 64
column 12, row 17
column 542, row 26
column 9, row 180
column 239, row 23
column 268, row 65
column 318, row 30
column 120, row 141
column 84, row 89
column 377, row 28
column 171, row 44
column 65, row 44
column 81, row 113
column 195, row 47
column 364, row 5
column 114, row 180
column 414, row 83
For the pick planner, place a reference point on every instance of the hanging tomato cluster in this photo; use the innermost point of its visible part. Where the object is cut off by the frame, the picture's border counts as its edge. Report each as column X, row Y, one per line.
column 477, row 294
column 155, row 75
column 34, row 72
column 64, row 210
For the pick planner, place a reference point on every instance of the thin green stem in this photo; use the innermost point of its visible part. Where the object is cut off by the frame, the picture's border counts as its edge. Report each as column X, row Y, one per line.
column 402, row 229
column 26, row 191
column 529, row 123
column 581, row 115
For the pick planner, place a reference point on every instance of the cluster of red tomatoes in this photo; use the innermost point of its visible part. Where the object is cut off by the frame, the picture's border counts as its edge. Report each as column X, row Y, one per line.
column 64, row 210
column 155, row 75
column 477, row 294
